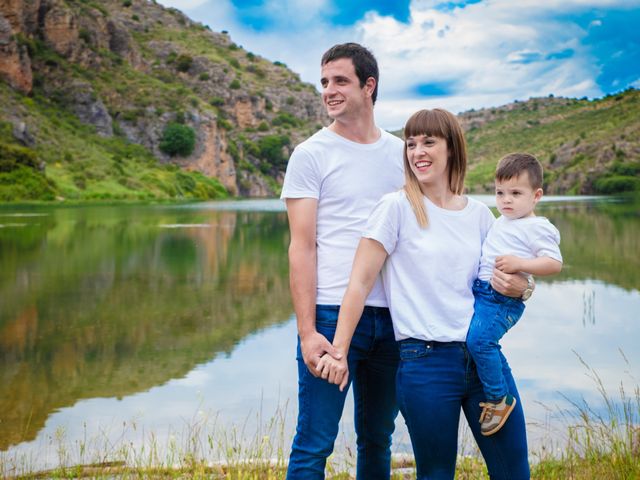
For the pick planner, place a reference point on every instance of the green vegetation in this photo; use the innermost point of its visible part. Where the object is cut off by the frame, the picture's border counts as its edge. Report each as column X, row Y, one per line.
column 178, row 139
column 599, row 446
column 585, row 146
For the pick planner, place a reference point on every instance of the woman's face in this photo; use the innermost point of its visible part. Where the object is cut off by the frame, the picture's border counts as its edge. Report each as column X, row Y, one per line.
column 428, row 158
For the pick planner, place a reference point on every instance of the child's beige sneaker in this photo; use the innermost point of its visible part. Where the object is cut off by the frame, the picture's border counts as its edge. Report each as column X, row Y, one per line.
column 494, row 415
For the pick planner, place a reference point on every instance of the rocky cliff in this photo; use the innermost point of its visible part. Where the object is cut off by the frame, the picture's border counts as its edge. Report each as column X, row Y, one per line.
column 130, row 68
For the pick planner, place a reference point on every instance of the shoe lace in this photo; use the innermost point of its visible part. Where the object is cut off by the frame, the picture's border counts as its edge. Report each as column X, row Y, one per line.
column 487, row 410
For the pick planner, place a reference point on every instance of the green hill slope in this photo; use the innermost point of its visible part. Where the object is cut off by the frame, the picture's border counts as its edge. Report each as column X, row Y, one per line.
column 585, row 146
column 130, row 100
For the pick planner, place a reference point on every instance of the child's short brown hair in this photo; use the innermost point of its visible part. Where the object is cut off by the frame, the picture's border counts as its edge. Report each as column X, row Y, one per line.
column 514, row 164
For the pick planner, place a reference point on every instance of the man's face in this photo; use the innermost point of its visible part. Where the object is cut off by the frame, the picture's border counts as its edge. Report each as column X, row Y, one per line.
column 341, row 92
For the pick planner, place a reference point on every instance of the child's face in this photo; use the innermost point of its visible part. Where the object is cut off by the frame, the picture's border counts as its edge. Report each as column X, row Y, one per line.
column 515, row 197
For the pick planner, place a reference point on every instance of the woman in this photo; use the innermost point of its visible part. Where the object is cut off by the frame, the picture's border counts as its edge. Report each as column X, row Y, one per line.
column 426, row 240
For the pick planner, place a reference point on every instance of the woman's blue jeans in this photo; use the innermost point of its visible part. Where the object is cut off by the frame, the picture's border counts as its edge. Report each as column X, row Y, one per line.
column 434, row 381
column 494, row 314
column 373, row 362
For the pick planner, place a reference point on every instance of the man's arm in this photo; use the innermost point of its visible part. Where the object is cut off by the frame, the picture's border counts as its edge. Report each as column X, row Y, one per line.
column 534, row 266
column 302, row 213
column 509, row 284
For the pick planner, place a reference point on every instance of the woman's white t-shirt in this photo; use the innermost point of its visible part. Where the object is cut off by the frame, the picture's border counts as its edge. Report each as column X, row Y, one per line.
column 429, row 272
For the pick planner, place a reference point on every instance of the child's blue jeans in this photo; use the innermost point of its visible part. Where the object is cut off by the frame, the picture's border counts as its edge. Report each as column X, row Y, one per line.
column 494, row 314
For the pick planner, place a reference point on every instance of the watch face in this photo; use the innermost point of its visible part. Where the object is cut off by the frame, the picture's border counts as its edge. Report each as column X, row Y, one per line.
column 527, row 294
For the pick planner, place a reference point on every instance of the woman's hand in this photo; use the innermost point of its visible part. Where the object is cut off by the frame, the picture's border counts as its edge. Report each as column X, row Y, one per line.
column 334, row 371
column 509, row 284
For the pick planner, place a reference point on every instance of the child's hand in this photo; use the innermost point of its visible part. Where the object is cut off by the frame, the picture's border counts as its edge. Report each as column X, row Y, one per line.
column 334, row 371
column 508, row 264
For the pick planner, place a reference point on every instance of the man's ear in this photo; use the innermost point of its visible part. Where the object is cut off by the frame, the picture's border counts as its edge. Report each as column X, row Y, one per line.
column 370, row 86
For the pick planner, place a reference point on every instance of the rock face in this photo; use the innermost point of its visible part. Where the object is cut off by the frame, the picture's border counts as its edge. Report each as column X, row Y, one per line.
column 15, row 64
column 89, row 107
column 250, row 96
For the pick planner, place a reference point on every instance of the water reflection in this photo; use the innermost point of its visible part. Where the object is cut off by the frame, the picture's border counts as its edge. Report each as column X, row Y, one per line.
column 104, row 302
column 153, row 314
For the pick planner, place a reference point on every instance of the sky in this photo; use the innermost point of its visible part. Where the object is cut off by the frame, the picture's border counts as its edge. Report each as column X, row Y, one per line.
column 458, row 55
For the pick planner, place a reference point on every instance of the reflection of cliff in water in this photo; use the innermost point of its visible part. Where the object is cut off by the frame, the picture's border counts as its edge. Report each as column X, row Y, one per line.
column 600, row 241
column 114, row 307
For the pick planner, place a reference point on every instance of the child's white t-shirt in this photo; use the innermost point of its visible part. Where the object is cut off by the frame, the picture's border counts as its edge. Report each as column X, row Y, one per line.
column 347, row 179
column 429, row 272
column 528, row 237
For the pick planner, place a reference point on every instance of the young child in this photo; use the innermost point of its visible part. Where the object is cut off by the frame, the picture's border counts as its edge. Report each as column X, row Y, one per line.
column 518, row 241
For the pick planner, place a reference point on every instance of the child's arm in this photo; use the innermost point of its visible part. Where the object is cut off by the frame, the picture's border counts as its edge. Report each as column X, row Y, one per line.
column 534, row 266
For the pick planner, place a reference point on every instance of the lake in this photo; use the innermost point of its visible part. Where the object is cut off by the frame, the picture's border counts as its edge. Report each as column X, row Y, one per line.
column 169, row 328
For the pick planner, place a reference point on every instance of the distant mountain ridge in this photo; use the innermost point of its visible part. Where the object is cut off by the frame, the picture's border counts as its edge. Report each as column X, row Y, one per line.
column 126, row 99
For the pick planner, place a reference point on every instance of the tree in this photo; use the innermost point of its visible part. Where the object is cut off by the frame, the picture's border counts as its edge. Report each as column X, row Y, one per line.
column 178, row 139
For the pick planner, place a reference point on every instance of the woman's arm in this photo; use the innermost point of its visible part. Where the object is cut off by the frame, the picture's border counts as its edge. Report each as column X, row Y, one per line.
column 367, row 263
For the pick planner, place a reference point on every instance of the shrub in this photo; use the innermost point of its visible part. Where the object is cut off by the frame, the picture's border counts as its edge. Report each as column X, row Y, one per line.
column 263, row 127
column 204, row 76
column 285, row 118
column 271, row 148
column 217, row 101
column 224, row 123
column 235, row 84
column 25, row 183
column 178, row 139
column 234, row 63
column 617, row 184
column 126, row 3
column 184, row 62
column 13, row 157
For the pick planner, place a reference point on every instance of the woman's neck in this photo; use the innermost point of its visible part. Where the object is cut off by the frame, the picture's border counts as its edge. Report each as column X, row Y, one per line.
column 441, row 196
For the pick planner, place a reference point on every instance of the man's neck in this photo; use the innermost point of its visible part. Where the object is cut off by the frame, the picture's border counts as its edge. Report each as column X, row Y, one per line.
column 362, row 130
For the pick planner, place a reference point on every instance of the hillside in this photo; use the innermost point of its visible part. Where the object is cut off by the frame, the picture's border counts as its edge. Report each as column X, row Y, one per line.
column 586, row 146
column 128, row 99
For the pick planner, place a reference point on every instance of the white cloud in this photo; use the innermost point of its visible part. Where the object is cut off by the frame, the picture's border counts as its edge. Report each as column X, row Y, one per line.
column 183, row 4
column 488, row 53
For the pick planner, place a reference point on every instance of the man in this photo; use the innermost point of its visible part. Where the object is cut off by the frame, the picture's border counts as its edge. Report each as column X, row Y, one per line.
column 333, row 180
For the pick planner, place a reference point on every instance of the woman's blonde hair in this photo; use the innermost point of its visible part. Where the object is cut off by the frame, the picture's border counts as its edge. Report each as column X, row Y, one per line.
column 435, row 123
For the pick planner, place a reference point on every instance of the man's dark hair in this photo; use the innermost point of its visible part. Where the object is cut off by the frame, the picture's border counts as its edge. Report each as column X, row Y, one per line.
column 363, row 60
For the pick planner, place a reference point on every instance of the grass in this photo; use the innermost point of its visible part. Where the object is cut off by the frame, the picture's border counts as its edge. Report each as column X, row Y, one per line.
column 602, row 442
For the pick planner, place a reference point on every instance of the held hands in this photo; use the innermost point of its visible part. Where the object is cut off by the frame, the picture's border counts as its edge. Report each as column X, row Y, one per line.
column 314, row 346
column 334, row 371
column 508, row 263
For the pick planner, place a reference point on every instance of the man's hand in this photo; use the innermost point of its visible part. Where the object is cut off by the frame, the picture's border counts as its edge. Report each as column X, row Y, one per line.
column 314, row 346
column 334, row 371
column 508, row 264
column 509, row 284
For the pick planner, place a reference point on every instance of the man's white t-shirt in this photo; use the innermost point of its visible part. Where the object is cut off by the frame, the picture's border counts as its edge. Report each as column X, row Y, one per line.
column 429, row 273
column 347, row 179
column 528, row 237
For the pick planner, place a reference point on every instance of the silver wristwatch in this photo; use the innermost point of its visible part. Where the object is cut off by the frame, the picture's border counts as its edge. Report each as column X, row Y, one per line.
column 529, row 290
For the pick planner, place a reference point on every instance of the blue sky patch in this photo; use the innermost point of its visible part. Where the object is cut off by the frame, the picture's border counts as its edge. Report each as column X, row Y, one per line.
column 613, row 40
column 561, row 55
column 436, row 89
column 255, row 13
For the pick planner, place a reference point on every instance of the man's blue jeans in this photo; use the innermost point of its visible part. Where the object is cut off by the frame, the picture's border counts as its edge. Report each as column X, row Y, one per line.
column 494, row 314
column 373, row 361
column 436, row 379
